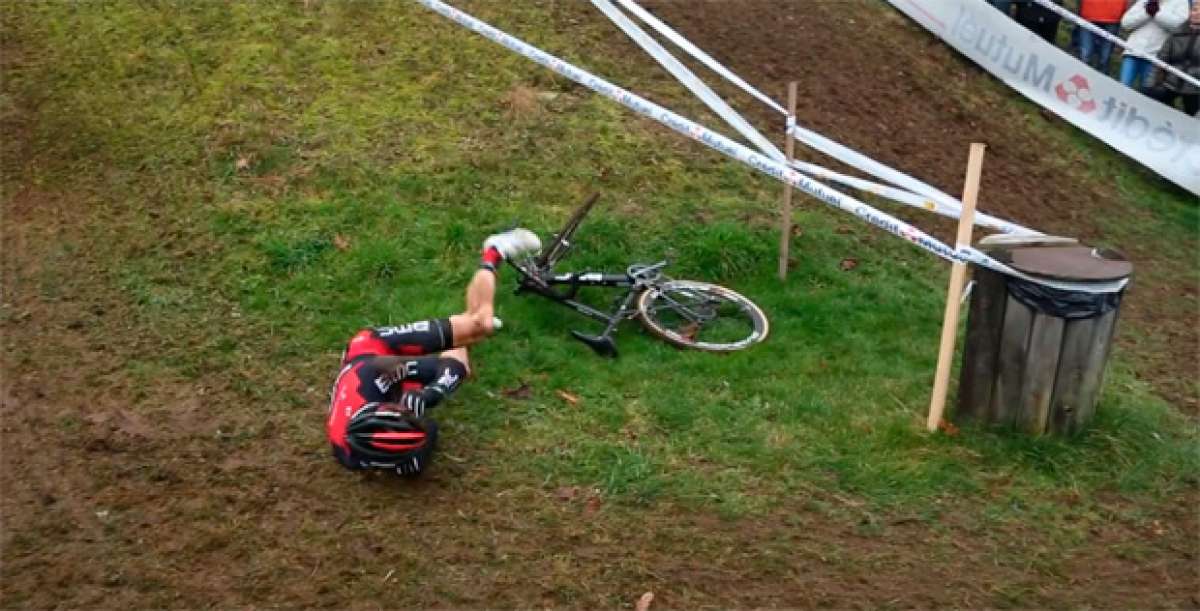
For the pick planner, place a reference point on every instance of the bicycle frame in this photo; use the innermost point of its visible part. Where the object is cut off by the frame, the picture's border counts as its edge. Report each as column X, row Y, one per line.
column 538, row 276
column 643, row 285
column 573, row 281
column 635, row 280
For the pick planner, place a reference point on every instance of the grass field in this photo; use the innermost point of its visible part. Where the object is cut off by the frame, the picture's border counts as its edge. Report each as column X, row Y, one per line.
column 236, row 188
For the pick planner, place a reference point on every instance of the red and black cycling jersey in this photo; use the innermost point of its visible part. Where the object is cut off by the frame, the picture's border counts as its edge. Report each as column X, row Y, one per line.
column 416, row 384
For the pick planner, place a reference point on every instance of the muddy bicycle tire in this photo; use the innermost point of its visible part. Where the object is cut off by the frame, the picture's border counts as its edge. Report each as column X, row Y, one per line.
column 701, row 316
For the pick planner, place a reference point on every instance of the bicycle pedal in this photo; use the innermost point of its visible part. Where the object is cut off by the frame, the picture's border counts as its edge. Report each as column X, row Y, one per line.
column 602, row 345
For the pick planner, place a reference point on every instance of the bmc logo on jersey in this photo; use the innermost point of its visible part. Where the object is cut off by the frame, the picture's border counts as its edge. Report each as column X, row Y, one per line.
column 1077, row 92
column 419, row 327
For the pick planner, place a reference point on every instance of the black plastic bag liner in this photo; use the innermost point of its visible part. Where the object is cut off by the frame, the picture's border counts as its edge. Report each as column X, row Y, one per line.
column 1071, row 305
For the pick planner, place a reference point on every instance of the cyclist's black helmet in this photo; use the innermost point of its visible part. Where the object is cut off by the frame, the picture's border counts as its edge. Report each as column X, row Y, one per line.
column 383, row 434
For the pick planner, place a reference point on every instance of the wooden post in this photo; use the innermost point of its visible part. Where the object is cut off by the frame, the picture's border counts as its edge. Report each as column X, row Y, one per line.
column 785, row 223
column 958, row 273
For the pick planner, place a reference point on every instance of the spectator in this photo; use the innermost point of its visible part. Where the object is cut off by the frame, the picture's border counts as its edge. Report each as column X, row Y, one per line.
column 1183, row 52
column 1150, row 23
column 1106, row 15
column 1041, row 20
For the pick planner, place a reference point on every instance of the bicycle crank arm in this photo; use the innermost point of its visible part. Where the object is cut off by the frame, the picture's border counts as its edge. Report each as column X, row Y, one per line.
column 602, row 345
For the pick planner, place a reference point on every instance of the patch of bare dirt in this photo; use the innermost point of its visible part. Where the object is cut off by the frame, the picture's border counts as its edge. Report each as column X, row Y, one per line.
column 521, row 101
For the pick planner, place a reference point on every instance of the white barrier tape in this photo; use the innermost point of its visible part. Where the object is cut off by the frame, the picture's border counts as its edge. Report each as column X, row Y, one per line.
column 980, row 258
column 688, row 79
column 715, row 103
column 751, row 158
column 695, row 52
column 855, row 159
column 909, row 198
column 941, row 203
column 1068, row 15
column 945, row 205
column 892, row 193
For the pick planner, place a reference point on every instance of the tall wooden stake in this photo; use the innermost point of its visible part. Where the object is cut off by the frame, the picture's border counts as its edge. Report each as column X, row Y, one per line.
column 785, row 223
column 958, row 273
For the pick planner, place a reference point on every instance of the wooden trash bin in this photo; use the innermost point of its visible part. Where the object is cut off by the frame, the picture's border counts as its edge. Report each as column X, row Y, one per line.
column 1035, row 356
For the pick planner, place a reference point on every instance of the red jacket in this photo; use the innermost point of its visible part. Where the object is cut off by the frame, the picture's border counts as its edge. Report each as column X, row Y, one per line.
column 1102, row 11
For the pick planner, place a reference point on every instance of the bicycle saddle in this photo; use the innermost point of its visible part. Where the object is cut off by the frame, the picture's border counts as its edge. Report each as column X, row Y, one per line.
column 641, row 271
column 602, row 345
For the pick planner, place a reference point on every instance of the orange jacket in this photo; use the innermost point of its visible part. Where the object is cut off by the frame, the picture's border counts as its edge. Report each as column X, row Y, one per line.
column 1102, row 11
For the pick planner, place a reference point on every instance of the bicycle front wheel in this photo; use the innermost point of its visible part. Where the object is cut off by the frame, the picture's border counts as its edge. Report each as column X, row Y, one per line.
column 702, row 316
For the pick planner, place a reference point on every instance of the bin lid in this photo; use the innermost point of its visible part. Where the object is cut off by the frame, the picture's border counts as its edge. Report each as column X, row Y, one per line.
column 1070, row 263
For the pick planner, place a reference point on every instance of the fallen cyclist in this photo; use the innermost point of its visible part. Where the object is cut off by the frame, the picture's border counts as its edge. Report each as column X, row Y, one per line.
column 391, row 376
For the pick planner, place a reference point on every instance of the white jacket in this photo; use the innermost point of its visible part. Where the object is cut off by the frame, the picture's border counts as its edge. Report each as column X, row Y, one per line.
column 1147, row 34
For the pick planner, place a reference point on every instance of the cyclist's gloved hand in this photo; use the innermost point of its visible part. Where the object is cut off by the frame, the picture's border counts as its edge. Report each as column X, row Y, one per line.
column 410, row 465
column 414, row 402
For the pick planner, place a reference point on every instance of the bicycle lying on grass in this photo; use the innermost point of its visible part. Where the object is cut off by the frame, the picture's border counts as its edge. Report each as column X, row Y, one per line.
column 685, row 313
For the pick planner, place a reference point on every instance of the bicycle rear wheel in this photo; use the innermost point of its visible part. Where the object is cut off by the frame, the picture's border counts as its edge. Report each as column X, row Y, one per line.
column 702, row 316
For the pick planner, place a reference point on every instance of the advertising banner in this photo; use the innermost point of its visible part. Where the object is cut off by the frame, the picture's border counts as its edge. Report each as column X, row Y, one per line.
column 1163, row 139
